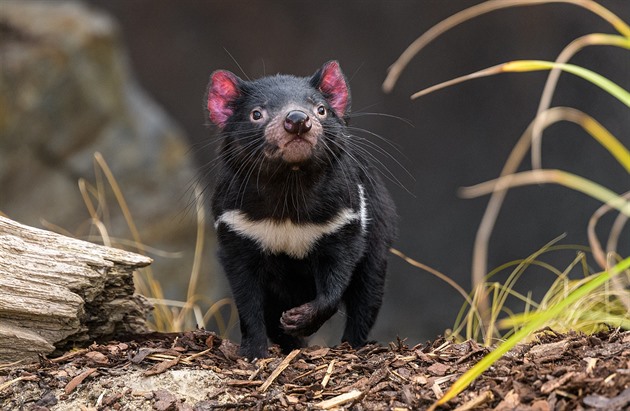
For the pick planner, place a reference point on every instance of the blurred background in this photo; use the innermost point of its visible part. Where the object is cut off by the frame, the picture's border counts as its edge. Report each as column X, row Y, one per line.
column 127, row 79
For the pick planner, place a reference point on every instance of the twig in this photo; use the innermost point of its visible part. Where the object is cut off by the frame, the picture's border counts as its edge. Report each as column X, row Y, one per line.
column 199, row 354
column 69, row 355
column 309, row 372
column 339, row 400
column 10, row 364
column 18, row 379
column 284, row 364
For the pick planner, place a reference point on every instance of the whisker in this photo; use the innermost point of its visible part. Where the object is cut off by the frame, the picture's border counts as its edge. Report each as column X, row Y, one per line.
column 236, row 62
column 363, row 114
column 372, row 145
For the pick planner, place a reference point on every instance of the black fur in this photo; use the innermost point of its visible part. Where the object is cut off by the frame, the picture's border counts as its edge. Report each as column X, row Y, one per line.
column 278, row 296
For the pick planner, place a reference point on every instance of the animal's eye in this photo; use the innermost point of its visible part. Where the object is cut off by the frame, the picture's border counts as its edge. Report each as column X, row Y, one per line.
column 321, row 110
column 256, row 115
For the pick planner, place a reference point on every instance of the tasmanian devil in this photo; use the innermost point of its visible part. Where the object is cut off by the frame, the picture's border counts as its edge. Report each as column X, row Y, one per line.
column 304, row 222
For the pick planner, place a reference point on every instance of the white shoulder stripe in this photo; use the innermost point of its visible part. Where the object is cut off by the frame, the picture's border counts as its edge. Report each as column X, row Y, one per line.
column 296, row 240
column 363, row 207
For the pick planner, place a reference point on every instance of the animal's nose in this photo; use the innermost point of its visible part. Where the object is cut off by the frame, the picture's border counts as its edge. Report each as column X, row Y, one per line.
column 297, row 122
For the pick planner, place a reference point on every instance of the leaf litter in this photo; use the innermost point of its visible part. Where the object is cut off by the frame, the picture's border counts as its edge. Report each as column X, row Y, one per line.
column 198, row 371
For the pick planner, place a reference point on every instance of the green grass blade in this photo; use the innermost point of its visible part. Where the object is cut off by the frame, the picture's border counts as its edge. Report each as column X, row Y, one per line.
column 560, row 177
column 536, row 322
column 520, row 66
column 607, row 140
column 597, row 79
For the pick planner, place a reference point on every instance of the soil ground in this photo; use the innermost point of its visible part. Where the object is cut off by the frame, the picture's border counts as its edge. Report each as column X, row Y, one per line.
column 199, row 371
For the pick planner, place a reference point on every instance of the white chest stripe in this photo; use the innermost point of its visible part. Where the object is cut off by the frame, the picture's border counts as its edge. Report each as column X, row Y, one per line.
column 296, row 240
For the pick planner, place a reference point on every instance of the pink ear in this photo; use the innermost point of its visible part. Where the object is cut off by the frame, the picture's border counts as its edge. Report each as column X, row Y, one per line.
column 332, row 84
column 222, row 92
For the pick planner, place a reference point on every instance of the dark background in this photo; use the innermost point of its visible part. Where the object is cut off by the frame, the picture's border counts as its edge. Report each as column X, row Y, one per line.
column 460, row 136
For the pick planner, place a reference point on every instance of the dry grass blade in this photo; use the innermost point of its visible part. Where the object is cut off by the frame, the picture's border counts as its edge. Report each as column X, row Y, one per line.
column 560, row 177
column 518, row 153
column 120, row 198
column 436, row 273
column 9, row 383
column 602, row 257
column 10, row 364
column 169, row 315
column 594, row 39
column 414, row 48
column 197, row 261
column 596, row 247
column 197, row 355
column 213, row 312
column 132, row 244
column 145, row 284
column 615, row 233
column 522, row 66
column 490, row 71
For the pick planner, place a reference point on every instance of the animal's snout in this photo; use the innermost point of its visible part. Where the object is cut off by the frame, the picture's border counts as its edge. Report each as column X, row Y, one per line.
column 297, row 122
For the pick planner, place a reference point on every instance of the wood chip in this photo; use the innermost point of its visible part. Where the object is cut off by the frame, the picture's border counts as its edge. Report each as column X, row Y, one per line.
column 78, row 380
column 244, row 383
column 476, row 402
column 292, row 399
column 377, row 376
column 540, row 405
column 590, row 364
column 548, row 352
column 601, row 402
column 161, row 367
column 419, row 379
column 319, row 353
column 329, row 372
column 142, row 353
column 407, row 395
column 97, row 357
column 339, row 400
column 284, row 364
column 437, row 390
column 510, row 402
column 557, row 383
column 439, row 369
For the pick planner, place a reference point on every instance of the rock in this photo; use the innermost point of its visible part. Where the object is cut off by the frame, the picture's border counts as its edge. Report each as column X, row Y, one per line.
column 67, row 92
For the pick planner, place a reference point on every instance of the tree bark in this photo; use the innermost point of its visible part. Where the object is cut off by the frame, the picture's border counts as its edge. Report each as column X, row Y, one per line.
column 56, row 291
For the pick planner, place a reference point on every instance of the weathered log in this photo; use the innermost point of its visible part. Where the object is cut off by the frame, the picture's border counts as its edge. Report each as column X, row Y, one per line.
column 56, row 291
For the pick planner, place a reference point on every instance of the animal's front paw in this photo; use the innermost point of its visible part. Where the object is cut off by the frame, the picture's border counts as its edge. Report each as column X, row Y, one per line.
column 252, row 351
column 300, row 321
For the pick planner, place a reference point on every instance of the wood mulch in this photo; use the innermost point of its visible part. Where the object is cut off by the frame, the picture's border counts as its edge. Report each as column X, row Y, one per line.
column 556, row 372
